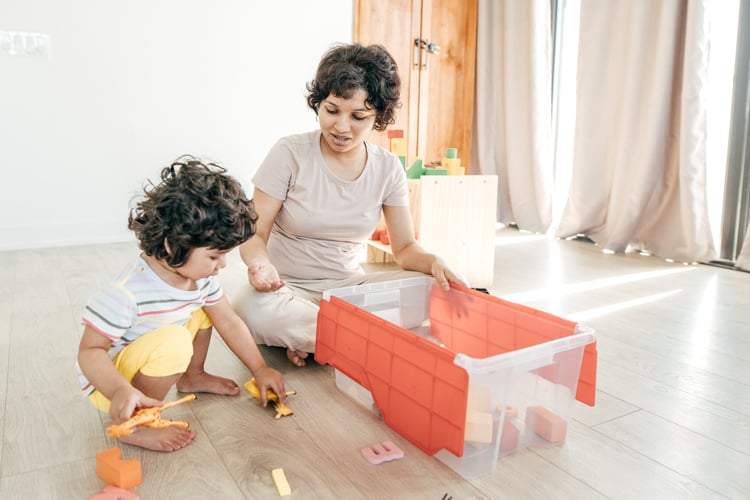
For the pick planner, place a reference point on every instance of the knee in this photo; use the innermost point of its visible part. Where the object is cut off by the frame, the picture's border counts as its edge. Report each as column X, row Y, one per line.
column 173, row 347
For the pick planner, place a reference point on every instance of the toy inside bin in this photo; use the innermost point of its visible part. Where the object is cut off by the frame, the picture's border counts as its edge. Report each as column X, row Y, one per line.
column 462, row 375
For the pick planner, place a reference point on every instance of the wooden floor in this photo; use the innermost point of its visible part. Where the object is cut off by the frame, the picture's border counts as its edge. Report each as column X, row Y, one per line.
column 672, row 418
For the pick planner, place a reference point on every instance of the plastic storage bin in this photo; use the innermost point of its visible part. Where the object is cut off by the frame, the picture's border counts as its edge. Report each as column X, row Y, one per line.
column 462, row 375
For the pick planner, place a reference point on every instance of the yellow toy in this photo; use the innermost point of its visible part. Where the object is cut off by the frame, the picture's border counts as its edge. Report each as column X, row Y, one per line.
column 281, row 409
column 149, row 417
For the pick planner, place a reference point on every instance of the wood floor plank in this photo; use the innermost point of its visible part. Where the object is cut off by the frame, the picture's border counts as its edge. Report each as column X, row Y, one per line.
column 607, row 408
column 66, row 481
column 41, row 433
column 672, row 418
column 716, row 466
column 717, row 388
column 526, row 474
column 716, row 422
column 618, row 471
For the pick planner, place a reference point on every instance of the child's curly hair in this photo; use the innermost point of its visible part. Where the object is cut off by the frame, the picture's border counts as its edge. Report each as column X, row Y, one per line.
column 196, row 204
column 346, row 68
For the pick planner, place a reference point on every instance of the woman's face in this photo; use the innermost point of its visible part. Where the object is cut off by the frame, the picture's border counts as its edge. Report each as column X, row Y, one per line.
column 345, row 123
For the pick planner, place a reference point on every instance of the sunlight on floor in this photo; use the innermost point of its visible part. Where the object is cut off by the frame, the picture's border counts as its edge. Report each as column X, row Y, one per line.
column 700, row 336
column 559, row 291
column 619, row 306
column 521, row 238
column 587, row 286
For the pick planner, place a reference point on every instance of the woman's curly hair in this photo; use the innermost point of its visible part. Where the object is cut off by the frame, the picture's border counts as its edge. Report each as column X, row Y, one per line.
column 196, row 204
column 346, row 68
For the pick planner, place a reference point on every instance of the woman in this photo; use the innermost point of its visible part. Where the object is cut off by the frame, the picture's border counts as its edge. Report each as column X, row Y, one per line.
column 319, row 196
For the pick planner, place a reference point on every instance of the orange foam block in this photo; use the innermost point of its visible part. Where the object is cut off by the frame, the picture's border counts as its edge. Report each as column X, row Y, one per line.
column 545, row 423
column 510, row 410
column 118, row 472
column 382, row 452
column 115, row 493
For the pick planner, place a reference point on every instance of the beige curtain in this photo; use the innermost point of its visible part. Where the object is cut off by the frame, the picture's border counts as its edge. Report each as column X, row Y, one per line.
column 512, row 118
column 639, row 166
column 743, row 261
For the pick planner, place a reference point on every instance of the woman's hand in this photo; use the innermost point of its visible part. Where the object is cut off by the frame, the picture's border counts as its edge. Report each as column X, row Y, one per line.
column 264, row 277
column 442, row 273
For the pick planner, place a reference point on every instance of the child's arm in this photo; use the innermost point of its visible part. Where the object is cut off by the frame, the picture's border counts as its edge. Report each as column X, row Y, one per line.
column 240, row 341
column 99, row 370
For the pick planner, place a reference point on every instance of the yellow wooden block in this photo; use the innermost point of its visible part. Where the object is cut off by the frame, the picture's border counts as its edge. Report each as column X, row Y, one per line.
column 279, row 479
column 478, row 427
column 398, row 146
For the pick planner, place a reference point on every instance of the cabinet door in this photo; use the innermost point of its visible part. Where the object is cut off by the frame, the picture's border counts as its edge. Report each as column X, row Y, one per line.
column 392, row 24
column 446, row 97
column 437, row 90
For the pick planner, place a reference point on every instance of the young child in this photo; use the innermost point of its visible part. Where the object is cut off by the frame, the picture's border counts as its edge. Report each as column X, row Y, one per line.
column 150, row 329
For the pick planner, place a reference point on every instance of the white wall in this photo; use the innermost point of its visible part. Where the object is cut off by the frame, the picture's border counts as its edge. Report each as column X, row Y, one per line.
column 129, row 86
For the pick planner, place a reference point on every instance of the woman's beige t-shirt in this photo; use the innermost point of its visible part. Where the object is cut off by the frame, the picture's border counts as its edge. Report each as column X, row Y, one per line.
column 324, row 220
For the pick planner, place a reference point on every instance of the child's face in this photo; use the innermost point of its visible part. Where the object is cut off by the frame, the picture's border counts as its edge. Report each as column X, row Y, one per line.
column 204, row 262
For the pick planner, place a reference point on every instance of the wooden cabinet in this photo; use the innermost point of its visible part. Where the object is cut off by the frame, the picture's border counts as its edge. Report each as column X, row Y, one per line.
column 437, row 89
column 454, row 217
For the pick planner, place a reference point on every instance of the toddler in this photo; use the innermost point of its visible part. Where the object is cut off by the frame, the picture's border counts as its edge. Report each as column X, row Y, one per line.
column 150, row 328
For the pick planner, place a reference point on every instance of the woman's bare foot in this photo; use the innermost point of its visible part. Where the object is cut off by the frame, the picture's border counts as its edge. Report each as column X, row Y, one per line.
column 205, row 382
column 165, row 439
column 297, row 357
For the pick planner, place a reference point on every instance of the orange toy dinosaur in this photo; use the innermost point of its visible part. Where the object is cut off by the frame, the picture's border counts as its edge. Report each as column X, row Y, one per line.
column 149, row 417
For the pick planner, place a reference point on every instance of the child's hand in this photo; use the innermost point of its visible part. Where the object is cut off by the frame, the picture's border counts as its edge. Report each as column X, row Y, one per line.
column 126, row 400
column 268, row 378
column 264, row 277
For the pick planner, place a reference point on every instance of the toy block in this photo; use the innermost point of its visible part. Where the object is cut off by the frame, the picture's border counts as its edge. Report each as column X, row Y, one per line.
column 118, row 472
column 279, row 480
column 114, row 493
column 546, row 424
column 478, row 427
column 395, row 134
column 478, row 398
column 375, row 236
column 415, row 171
column 435, row 171
column 510, row 410
column 398, row 146
column 382, row 452
column 509, row 438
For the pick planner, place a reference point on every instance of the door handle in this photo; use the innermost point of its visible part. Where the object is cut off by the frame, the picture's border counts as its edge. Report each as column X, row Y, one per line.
column 421, row 44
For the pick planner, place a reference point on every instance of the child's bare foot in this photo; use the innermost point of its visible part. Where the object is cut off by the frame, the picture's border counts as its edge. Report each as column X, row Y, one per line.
column 165, row 439
column 297, row 357
column 205, row 382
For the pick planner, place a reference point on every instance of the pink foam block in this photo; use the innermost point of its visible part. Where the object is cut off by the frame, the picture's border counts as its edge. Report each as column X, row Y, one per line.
column 509, row 437
column 382, row 452
column 115, row 493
